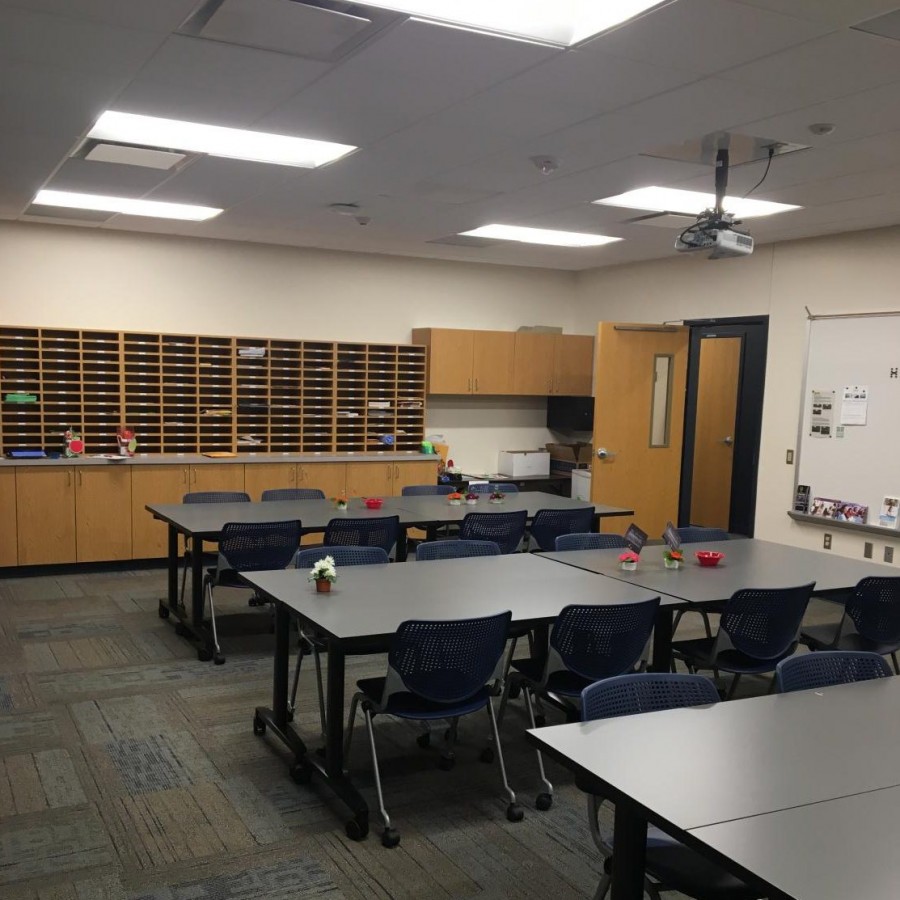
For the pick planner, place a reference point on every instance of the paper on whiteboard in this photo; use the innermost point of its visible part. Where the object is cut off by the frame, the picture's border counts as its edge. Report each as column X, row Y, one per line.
column 821, row 414
column 855, row 404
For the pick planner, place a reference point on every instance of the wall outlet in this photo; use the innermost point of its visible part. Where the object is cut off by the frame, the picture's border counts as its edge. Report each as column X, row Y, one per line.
column 827, row 542
column 889, row 554
column 867, row 550
column 789, row 457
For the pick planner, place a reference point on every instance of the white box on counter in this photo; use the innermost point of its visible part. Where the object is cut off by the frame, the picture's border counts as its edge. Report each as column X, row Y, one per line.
column 518, row 463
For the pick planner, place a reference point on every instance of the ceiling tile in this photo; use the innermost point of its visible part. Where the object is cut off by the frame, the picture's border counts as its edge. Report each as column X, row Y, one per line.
column 161, row 15
column 832, row 12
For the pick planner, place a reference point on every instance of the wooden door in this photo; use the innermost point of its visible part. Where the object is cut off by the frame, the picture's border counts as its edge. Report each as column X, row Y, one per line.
column 103, row 512
column 370, row 479
column 45, row 514
column 328, row 477
column 449, row 359
column 154, row 484
column 639, row 422
column 573, row 365
column 533, row 363
column 217, row 477
column 717, row 396
column 493, row 356
column 413, row 472
column 8, row 550
column 259, row 477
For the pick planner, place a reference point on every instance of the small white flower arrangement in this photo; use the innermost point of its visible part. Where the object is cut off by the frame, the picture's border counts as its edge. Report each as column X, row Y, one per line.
column 324, row 570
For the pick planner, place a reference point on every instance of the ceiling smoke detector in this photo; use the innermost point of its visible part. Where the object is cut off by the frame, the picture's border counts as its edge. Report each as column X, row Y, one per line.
column 352, row 210
column 546, row 165
column 820, row 129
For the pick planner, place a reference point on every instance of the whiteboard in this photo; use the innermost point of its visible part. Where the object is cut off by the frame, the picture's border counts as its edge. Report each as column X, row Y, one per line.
column 857, row 464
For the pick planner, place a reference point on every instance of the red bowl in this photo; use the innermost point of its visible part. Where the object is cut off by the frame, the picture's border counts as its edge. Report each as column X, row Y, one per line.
column 374, row 502
column 709, row 557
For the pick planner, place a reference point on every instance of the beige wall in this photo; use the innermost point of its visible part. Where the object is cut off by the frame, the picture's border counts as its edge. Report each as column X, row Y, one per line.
column 86, row 278
column 851, row 272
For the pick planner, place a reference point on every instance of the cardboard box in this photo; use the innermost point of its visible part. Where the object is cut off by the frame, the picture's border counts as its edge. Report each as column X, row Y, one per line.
column 523, row 462
column 565, row 457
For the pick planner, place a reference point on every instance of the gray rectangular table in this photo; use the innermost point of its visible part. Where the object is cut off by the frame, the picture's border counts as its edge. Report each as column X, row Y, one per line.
column 691, row 770
column 368, row 603
column 747, row 563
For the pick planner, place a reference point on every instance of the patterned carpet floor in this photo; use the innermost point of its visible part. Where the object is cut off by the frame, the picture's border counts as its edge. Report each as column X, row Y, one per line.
column 129, row 771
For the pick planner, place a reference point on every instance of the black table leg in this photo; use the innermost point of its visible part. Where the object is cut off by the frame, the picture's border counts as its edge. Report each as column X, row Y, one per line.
column 171, row 602
column 401, row 545
column 630, row 841
column 662, row 640
column 197, row 582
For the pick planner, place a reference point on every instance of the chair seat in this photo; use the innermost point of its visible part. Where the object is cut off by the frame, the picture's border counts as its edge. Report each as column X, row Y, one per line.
column 699, row 653
column 822, row 637
column 564, row 683
column 684, row 870
column 411, row 706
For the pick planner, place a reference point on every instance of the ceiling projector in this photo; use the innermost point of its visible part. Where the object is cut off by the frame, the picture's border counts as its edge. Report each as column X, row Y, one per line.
column 715, row 229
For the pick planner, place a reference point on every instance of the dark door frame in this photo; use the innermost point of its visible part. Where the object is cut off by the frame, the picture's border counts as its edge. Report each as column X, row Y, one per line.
column 754, row 332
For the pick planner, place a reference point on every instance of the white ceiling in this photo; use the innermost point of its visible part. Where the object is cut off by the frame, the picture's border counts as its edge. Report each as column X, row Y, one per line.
column 446, row 121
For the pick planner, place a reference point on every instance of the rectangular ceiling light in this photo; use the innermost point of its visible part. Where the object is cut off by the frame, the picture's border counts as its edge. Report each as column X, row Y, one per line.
column 562, row 23
column 540, row 236
column 128, row 207
column 692, row 203
column 216, row 140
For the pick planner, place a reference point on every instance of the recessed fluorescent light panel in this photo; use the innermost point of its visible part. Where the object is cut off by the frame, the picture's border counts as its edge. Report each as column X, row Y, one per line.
column 540, row 236
column 692, row 203
column 216, row 140
column 562, row 23
column 128, row 207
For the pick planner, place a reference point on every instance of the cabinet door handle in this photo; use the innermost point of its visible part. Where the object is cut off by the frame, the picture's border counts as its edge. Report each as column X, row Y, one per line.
column 298, row 474
column 469, row 385
column 68, row 477
column 194, row 476
column 396, row 471
column 476, row 385
column 184, row 475
column 80, row 478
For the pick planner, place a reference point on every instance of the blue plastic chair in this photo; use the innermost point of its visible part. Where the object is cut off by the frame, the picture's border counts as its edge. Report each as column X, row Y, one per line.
column 803, row 672
column 871, row 621
column 507, row 529
column 206, row 497
column 375, row 532
column 437, row 670
column 758, row 629
column 587, row 644
column 275, row 494
column 248, row 547
column 455, row 549
column 502, row 487
column 427, row 490
column 693, row 534
column 548, row 524
column 590, row 541
column 310, row 641
column 669, row 864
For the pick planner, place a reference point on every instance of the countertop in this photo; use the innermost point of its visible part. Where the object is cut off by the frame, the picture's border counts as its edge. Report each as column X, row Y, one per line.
column 197, row 459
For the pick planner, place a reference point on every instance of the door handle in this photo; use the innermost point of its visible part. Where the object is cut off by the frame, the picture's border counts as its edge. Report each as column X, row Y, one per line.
column 299, row 475
column 728, row 441
column 68, row 477
column 184, row 475
column 469, row 385
column 476, row 385
column 396, row 471
column 80, row 478
column 603, row 453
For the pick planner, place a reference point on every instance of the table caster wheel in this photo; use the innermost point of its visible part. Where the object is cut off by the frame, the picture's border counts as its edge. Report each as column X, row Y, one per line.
column 424, row 740
column 163, row 611
column 259, row 727
column 218, row 659
column 299, row 773
column 543, row 801
column 487, row 755
column 290, row 715
column 180, row 630
column 390, row 838
column 204, row 654
column 514, row 812
column 357, row 830
column 446, row 763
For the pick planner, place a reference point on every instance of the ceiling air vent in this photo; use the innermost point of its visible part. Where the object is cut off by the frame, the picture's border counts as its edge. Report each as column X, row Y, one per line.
column 128, row 155
column 316, row 29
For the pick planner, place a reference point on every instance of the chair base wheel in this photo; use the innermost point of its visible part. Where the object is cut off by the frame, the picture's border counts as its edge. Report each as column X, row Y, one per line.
column 540, row 721
column 424, row 740
column 487, row 755
column 218, row 659
column 543, row 802
column 299, row 773
column 514, row 812
column 256, row 601
column 356, row 829
column 163, row 611
column 204, row 654
column 446, row 763
column 259, row 727
column 290, row 715
column 390, row 838
column 180, row 630
column 514, row 691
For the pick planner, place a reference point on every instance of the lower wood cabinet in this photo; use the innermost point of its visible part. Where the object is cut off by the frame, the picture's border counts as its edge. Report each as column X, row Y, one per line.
column 45, row 515
column 328, row 477
column 9, row 552
column 154, row 484
column 260, row 477
column 216, row 477
column 413, row 472
column 370, row 479
column 102, row 513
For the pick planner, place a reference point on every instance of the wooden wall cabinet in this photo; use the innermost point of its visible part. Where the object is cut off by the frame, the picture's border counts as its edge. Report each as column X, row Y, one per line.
column 328, row 477
column 216, row 477
column 9, row 552
column 102, row 513
column 413, row 472
column 259, row 477
column 154, row 484
column 45, row 515
column 554, row 364
column 468, row 362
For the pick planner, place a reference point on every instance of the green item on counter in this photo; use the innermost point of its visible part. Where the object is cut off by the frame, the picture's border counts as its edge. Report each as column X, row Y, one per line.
column 427, row 447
